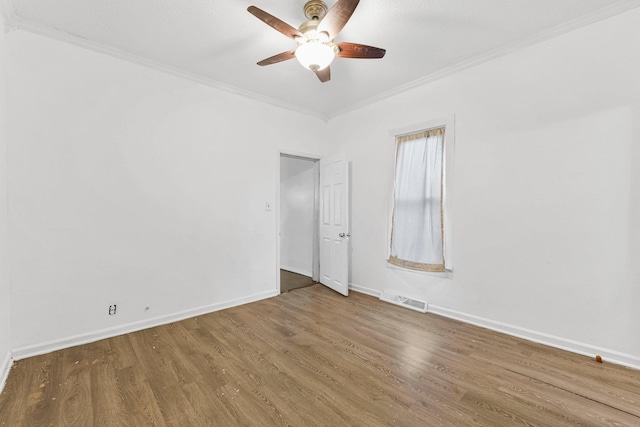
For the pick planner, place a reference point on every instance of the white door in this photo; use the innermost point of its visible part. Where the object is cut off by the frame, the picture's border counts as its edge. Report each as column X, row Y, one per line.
column 334, row 224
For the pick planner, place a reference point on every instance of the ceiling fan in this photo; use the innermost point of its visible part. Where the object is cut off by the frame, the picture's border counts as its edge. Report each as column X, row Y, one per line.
column 316, row 48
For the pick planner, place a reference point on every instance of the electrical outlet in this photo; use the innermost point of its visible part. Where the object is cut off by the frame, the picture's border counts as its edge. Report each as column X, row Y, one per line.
column 112, row 310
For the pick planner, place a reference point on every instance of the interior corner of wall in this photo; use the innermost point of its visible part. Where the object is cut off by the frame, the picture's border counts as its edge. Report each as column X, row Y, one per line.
column 8, row 16
column 5, row 367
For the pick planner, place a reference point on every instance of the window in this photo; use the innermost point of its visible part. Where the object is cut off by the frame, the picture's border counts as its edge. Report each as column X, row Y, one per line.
column 418, row 220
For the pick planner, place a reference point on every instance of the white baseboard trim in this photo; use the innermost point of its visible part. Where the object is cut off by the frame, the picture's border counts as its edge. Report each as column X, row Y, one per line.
column 589, row 350
column 5, row 367
column 49, row 346
column 365, row 290
column 297, row 271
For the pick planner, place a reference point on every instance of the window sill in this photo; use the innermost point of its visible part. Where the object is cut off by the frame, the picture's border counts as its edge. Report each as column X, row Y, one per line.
column 447, row 274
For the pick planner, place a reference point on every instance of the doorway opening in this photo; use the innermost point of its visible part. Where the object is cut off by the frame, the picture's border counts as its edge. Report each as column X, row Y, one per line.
column 298, row 204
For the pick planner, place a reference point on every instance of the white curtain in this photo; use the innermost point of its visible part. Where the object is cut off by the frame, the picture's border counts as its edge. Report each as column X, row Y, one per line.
column 417, row 225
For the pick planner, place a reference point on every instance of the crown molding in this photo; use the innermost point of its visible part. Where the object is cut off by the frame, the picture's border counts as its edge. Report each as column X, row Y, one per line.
column 551, row 33
column 13, row 22
column 46, row 31
column 8, row 15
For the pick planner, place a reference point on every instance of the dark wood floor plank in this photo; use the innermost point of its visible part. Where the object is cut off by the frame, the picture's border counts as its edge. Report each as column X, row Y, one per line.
column 290, row 281
column 324, row 376
column 107, row 403
column 140, row 404
column 580, row 382
column 159, row 372
column 265, row 372
column 311, row 357
column 74, row 400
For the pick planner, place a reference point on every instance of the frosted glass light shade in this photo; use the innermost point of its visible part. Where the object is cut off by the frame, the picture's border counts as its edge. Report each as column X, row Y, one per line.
column 315, row 55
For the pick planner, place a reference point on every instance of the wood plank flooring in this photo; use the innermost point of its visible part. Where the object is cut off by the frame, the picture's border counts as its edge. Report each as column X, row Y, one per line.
column 314, row 358
column 290, row 281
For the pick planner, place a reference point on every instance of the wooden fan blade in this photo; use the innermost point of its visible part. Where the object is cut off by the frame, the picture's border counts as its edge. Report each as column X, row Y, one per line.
column 355, row 50
column 278, row 58
column 324, row 75
column 336, row 18
column 274, row 22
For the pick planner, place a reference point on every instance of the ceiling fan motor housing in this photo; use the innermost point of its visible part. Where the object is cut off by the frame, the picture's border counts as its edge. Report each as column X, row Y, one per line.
column 315, row 9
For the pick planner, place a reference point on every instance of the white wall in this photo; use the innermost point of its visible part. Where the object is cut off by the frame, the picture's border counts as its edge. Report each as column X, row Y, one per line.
column 133, row 187
column 5, row 346
column 297, row 189
column 546, row 200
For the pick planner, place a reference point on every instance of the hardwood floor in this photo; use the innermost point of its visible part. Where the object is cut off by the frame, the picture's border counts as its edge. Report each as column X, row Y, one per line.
column 290, row 281
column 314, row 358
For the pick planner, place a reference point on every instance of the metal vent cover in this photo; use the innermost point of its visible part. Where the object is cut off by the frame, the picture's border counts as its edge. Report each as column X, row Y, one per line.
column 404, row 301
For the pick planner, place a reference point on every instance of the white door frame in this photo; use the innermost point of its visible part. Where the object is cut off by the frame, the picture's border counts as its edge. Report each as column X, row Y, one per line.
column 316, row 213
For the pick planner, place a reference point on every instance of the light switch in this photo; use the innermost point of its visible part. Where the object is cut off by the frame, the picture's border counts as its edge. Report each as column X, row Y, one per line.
column 267, row 206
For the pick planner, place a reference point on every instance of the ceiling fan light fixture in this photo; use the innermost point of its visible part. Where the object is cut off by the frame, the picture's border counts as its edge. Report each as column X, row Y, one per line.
column 315, row 37
column 315, row 55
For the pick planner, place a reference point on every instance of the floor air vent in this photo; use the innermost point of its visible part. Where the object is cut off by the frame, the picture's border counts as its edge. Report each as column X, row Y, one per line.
column 413, row 304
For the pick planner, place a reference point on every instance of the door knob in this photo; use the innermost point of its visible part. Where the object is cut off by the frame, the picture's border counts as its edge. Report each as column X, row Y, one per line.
column 344, row 235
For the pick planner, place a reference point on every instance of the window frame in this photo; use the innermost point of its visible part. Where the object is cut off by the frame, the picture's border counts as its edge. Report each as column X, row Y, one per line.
column 448, row 123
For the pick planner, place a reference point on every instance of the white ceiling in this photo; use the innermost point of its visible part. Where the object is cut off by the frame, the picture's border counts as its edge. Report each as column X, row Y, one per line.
column 220, row 42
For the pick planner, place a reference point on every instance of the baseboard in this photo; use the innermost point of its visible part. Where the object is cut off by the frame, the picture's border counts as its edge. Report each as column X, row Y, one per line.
column 589, row 350
column 48, row 347
column 297, row 271
column 5, row 367
column 365, row 290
